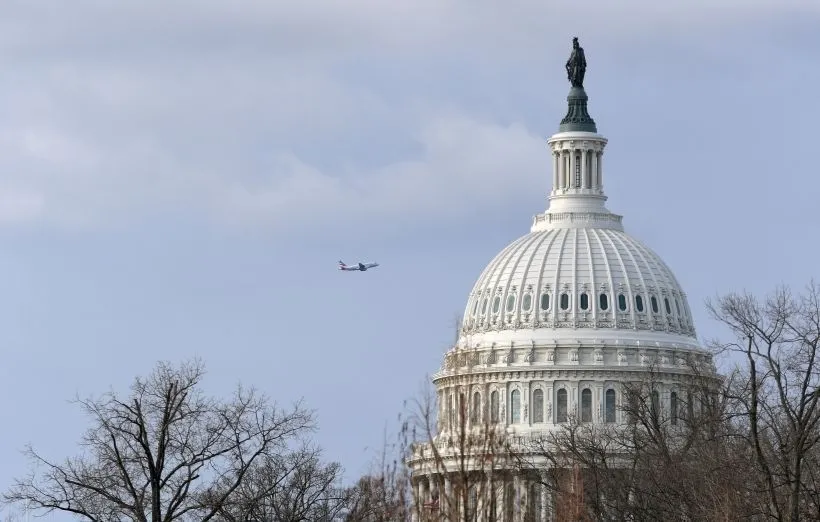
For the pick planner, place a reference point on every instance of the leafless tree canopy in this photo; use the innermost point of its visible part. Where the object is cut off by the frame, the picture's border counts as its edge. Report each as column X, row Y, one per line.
column 774, row 399
column 745, row 446
column 166, row 452
column 294, row 486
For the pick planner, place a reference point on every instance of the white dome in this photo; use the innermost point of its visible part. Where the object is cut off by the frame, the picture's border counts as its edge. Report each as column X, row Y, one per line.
column 557, row 325
column 553, row 284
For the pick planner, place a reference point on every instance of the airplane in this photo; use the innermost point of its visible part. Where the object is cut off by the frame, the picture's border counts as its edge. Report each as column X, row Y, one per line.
column 360, row 266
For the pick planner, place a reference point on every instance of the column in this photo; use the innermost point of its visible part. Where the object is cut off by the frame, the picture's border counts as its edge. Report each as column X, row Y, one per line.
column 584, row 173
column 572, row 163
column 596, row 182
column 549, row 505
column 564, row 169
column 599, row 157
column 500, row 507
column 556, row 170
column 545, row 508
column 415, row 515
column 549, row 400
column 517, row 498
column 446, row 501
column 598, row 403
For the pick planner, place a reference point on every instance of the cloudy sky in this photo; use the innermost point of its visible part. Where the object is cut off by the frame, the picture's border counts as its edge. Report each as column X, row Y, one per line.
column 178, row 179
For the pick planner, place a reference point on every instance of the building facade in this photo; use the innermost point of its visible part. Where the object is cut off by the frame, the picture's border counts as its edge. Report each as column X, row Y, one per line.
column 554, row 327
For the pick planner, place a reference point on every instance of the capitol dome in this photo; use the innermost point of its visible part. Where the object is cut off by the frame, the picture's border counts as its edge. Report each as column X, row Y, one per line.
column 558, row 330
column 578, row 279
column 581, row 283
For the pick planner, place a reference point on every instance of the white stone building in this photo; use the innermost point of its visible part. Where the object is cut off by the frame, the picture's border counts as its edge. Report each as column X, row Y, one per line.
column 557, row 322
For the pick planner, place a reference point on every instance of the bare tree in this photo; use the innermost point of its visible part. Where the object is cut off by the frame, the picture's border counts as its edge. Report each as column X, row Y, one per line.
column 165, row 452
column 383, row 495
column 463, row 445
column 295, row 486
column 777, row 393
column 659, row 465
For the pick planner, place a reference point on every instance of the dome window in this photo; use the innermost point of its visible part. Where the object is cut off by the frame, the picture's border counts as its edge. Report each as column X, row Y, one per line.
column 586, row 405
column 609, row 408
column 496, row 304
column 526, row 303
column 515, row 407
column 564, row 301
column 484, row 306
column 545, row 302
column 561, row 407
column 639, row 303
column 603, row 302
column 510, row 302
column 654, row 302
column 622, row 302
column 538, row 405
column 666, row 305
column 584, row 301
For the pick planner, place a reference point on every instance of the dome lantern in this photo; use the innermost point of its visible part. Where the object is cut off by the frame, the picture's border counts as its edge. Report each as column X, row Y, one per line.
column 577, row 196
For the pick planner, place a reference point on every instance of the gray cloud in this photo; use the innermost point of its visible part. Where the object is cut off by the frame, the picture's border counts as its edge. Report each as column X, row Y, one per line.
column 245, row 111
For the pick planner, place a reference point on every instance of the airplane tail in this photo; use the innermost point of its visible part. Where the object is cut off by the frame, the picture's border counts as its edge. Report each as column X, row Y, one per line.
column 342, row 265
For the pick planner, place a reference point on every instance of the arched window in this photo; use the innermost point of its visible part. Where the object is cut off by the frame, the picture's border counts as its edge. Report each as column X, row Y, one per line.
column 586, row 405
column 526, row 303
column 609, row 413
column 621, row 302
column 538, row 405
column 475, row 412
column 472, row 503
column 561, row 408
column 545, row 302
column 564, row 301
column 494, row 407
column 515, row 407
column 510, row 302
column 673, row 407
column 496, row 304
column 666, row 305
column 584, row 301
column 654, row 302
column 603, row 302
column 639, row 303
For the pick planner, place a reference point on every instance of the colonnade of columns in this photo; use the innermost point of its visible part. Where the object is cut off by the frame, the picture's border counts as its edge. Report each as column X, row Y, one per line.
column 577, row 169
column 508, row 498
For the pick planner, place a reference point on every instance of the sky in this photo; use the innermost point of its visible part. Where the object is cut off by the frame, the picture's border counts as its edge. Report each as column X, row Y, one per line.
column 179, row 179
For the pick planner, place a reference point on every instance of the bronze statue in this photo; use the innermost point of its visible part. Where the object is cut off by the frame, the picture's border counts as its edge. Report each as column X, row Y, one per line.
column 576, row 65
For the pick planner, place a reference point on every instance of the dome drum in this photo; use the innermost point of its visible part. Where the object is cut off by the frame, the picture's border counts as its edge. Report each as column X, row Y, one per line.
column 594, row 356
